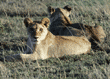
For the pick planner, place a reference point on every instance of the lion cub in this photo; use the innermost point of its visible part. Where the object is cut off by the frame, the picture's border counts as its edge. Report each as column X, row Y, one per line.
column 61, row 25
column 42, row 44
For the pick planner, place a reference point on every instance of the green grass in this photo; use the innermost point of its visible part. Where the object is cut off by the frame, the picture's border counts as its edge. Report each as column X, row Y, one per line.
column 95, row 65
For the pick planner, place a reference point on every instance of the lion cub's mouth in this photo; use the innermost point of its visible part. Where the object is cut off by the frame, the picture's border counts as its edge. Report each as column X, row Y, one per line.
column 34, row 40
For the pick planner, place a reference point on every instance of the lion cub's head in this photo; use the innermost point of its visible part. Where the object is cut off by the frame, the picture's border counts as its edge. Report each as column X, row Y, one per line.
column 37, row 30
column 57, row 13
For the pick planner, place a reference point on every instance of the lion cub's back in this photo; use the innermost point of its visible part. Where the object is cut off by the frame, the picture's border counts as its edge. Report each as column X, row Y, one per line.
column 68, row 45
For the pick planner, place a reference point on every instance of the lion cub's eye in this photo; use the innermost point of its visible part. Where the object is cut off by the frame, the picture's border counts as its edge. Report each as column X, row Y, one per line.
column 41, row 29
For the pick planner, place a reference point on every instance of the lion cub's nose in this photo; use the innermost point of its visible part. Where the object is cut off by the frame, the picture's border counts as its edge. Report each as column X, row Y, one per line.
column 35, row 37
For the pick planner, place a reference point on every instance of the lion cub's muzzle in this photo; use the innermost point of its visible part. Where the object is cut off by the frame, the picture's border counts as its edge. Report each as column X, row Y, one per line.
column 34, row 36
column 34, row 39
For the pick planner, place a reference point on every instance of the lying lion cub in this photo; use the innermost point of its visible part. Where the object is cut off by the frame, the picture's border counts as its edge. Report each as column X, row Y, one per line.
column 42, row 44
column 61, row 25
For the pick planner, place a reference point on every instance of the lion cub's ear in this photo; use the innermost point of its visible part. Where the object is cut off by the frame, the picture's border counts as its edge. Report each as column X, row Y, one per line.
column 68, row 8
column 45, row 21
column 51, row 10
column 27, row 22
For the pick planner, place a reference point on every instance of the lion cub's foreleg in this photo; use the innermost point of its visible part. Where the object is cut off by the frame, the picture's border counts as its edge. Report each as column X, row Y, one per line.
column 20, row 57
column 28, row 54
column 33, row 52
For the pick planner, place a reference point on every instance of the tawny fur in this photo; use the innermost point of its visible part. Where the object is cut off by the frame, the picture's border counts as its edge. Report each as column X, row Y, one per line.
column 42, row 44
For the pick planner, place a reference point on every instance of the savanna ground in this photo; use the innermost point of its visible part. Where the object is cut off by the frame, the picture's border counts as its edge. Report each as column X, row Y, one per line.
column 13, row 34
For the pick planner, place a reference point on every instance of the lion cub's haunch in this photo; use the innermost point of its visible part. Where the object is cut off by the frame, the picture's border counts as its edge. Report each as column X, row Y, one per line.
column 61, row 25
column 42, row 44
